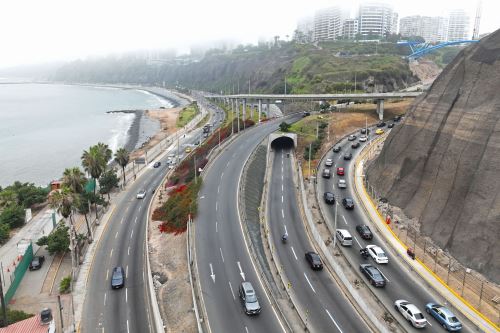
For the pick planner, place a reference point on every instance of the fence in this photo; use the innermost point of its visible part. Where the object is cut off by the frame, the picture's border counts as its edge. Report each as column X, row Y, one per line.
column 19, row 273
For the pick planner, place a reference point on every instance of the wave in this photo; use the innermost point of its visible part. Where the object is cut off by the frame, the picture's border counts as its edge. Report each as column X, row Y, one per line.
column 163, row 101
column 119, row 134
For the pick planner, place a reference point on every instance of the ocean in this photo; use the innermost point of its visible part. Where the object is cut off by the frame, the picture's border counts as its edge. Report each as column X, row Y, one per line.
column 44, row 128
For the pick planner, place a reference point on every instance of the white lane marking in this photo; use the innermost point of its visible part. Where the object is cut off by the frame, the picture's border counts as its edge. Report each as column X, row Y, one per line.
column 282, row 213
column 216, row 227
column 121, row 221
column 111, row 254
column 383, row 275
column 357, row 242
column 105, row 299
column 246, row 329
column 344, row 219
column 286, row 231
column 281, row 187
column 126, row 295
column 294, row 253
column 241, row 271
column 216, row 205
column 126, row 272
column 232, row 292
column 128, row 251
column 116, row 236
column 107, row 275
column 221, row 254
column 212, row 275
column 143, row 276
column 310, row 285
column 222, row 174
column 331, row 317
column 227, row 163
column 140, row 207
column 128, row 330
column 218, row 189
column 132, row 233
column 135, row 220
column 282, row 199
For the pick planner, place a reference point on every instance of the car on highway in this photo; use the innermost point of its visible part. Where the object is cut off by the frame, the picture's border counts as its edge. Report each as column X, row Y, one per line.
column 36, row 263
column 411, row 313
column 373, row 275
column 381, row 124
column 141, row 194
column 391, row 125
column 337, row 149
column 397, row 118
column 344, row 237
column 377, row 254
column 117, row 278
column 355, row 145
column 364, row 231
column 328, row 162
column 347, row 156
column 444, row 316
column 188, row 150
column 249, row 299
column 363, row 131
column 329, row 198
column 342, row 184
column 326, row 173
column 314, row 260
column 348, row 203
column 340, row 171
column 379, row 131
column 351, row 137
column 156, row 164
column 363, row 138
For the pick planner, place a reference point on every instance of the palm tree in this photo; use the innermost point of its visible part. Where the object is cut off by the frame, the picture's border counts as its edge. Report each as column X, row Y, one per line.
column 122, row 157
column 74, row 179
column 94, row 161
column 105, row 152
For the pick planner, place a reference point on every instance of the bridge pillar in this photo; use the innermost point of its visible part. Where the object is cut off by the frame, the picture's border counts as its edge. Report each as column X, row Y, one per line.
column 380, row 109
column 238, row 113
column 251, row 111
column 268, row 113
column 232, row 116
column 259, row 109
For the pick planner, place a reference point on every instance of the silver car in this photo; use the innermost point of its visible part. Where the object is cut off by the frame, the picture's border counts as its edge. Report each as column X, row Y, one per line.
column 141, row 194
column 249, row 299
column 342, row 184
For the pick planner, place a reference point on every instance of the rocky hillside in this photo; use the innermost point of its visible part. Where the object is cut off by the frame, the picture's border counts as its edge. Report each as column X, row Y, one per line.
column 442, row 165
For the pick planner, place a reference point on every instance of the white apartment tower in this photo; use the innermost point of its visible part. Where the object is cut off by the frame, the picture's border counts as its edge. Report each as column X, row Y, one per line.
column 350, row 28
column 377, row 19
column 328, row 24
column 458, row 25
column 432, row 29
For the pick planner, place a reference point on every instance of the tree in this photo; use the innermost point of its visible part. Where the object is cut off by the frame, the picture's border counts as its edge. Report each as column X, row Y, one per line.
column 8, row 197
column 4, row 233
column 82, row 207
column 57, row 241
column 94, row 162
column 108, row 181
column 285, row 127
column 74, row 179
column 122, row 157
column 13, row 216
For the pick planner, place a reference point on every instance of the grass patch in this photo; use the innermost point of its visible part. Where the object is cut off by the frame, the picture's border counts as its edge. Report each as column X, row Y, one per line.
column 187, row 114
column 203, row 121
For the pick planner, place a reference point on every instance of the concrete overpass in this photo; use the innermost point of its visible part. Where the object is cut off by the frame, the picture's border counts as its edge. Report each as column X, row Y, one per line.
column 259, row 99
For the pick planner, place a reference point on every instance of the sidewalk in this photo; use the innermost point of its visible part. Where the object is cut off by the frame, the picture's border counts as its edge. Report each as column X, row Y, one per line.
column 434, row 281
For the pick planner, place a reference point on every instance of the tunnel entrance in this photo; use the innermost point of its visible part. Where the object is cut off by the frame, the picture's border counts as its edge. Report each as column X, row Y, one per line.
column 282, row 143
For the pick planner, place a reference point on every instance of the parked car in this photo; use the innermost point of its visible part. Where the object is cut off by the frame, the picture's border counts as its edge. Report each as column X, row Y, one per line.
column 329, row 198
column 347, row 156
column 377, row 254
column 336, row 149
column 46, row 316
column 156, row 165
column 326, row 173
column 411, row 313
column 363, row 138
column 328, row 162
column 141, row 194
column 117, row 278
column 444, row 316
column 340, row 171
column 363, row 131
column 373, row 275
column 355, row 145
column 379, row 131
column 348, row 203
column 364, row 231
column 36, row 263
column 249, row 299
column 314, row 260
column 391, row 125
column 381, row 124
column 342, row 184
column 351, row 137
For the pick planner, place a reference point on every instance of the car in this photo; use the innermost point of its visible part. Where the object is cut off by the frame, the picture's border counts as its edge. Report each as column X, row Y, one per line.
column 348, row 203
column 397, row 118
column 363, row 131
column 197, row 143
column 36, row 263
column 141, row 194
column 117, row 278
column 314, row 260
column 373, row 275
column 355, row 145
column 377, row 254
column 351, row 137
column 444, row 317
column 342, row 184
column 249, row 299
column 156, row 165
column 347, row 156
column 337, row 149
column 379, row 131
column 364, row 231
column 329, row 198
column 188, row 150
column 328, row 162
column 46, row 316
column 381, row 124
column 411, row 313
column 326, row 173
column 363, row 138
column 391, row 125
column 340, row 171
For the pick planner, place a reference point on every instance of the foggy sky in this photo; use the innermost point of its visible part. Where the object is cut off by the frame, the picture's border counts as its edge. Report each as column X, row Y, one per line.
column 34, row 31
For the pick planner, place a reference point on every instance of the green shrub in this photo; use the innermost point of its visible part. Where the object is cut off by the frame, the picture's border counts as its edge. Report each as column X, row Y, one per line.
column 65, row 285
column 4, row 233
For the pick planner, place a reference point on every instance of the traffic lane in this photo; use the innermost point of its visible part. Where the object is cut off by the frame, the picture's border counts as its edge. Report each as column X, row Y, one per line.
column 328, row 308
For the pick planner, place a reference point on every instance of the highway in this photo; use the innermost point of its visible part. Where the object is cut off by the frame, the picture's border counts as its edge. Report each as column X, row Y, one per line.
column 222, row 256
column 328, row 310
column 123, row 243
column 402, row 282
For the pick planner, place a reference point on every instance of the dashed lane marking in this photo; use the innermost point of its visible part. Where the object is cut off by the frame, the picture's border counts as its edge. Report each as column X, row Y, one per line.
column 310, row 285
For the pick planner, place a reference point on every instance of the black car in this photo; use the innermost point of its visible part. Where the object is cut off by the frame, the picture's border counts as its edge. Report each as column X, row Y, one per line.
column 397, row 118
column 355, row 145
column 363, row 131
column 36, row 263
column 156, row 165
column 329, row 198
column 117, row 278
column 336, row 149
column 347, row 156
column 391, row 125
column 46, row 316
column 373, row 274
column 364, row 231
column 314, row 260
column 381, row 124
column 351, row 137
column 348, row 203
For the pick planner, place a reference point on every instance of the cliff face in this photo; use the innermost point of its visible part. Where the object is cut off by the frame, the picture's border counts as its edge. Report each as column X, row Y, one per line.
column 442, row 164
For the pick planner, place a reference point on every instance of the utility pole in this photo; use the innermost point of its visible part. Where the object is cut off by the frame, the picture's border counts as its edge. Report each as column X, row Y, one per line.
column 195, row 178
column 317, row 129
column 310, row 147
column 285, row 85
column 328, row 130
column 355, row 82
column 335, row 228
column 219, row 137
column 177, row 158
column 4, row 307
column 249, row 86
column 60, row 311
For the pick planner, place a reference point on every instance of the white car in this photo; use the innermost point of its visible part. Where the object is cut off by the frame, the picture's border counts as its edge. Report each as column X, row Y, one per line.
column 377, row 254
column 411, row 313
column 362, row 138
column 342, row 183
column 328, row 162
column 141, row 194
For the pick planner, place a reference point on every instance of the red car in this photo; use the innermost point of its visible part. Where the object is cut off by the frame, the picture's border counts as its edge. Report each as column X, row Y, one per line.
column 340, row 171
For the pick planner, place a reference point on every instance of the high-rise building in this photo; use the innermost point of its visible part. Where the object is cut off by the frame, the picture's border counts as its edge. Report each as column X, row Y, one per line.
column 458, row 25
column 432, row 29
column 328, row 24
column 350, row 28
column 377, row 20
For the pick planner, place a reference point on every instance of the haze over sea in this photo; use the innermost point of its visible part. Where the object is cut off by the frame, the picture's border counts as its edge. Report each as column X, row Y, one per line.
column 44, row 128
